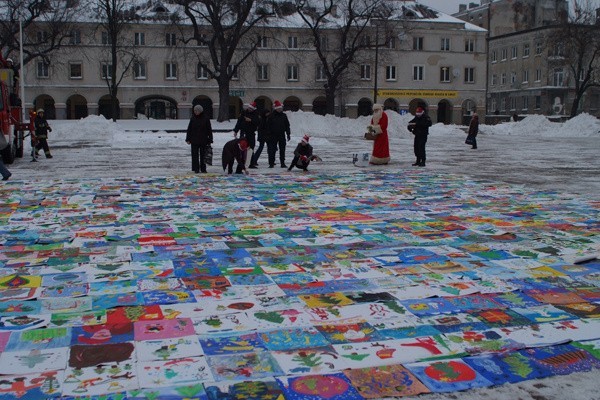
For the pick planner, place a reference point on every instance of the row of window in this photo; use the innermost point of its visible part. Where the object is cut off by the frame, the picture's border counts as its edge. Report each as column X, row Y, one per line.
column 514, row 52
column 558, row 77
column 262, row 72
column 513, row 104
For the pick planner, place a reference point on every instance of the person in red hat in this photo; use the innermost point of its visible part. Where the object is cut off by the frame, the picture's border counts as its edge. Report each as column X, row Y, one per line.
column 303, row 154
column 235, row 150
column 419, row 126
column 278, row 127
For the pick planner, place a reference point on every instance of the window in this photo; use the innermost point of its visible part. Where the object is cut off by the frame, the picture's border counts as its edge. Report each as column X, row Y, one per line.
column 324, row 42
column 231, row 70
column 538, row 48
column 365, row 40
column 292, row 72
column 469, row 75
column 494, row 80
column 75, row 70
column 469, row 45
column 263, row 42
column 42, row 70
column 139, row 70
column 391, row 44
column 390, row 73
column 525, row 76
column 503, row 54
column 75, row 37
column 262, row 72
column 526, row 50
column 292, row 42
column 139, row 39
column 557, row 51
column 445, row 44
column 493, row 106
column 538, row 75
column 513, row 78
column 418, row 72
column 170, row 39
column 538, row 102
column 365, row 72
column 106, row 39
column 41, row 36
column 201, row 72
column 514, row 52
column 525, row 103
column 558, row 77
column 417, row 43
column 320, row 73
column 106, row 71
column 513, row 103
column 203, row 41
column 171, row 70
column 494, row 56
column 502, row 104
column 503, row 78
column 445, row 74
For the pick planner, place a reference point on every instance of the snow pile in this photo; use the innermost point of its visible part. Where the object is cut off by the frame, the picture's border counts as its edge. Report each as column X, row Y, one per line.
column 91, row 128
column 539, row 125
column 582, row 125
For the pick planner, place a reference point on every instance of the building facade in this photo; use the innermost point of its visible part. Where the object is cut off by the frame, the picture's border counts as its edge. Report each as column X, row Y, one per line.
column 439, row 63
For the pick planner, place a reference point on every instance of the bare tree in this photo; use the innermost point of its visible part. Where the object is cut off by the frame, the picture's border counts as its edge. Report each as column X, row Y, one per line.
column 115, row 18
column 578, row 44
column 351, row 23
column 47, row 25
column 226, row 26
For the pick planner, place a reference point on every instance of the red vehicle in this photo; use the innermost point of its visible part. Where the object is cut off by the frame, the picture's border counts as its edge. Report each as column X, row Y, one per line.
column 12, row 125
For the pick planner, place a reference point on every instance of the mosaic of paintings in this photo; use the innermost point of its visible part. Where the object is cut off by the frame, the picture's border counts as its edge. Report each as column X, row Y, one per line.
column 340, row 287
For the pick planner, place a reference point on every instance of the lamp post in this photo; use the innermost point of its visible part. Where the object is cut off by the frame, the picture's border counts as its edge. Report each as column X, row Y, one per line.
column 22, row 72
column 376, row 64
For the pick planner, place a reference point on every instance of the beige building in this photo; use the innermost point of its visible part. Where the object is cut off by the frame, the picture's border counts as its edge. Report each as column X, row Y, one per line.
column 439, row 63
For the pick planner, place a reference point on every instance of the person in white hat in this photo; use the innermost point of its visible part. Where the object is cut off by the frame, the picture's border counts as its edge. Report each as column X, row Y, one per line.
column 199, row 135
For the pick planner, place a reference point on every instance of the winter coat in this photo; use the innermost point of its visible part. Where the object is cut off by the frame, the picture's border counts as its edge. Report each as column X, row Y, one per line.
column 474, row 126
column 232, row 152
column 278, row 126
column 263, row 131
column 199, row 131
column 41, row 127
column 421, row 126
column 247, row 128
column 303, row 150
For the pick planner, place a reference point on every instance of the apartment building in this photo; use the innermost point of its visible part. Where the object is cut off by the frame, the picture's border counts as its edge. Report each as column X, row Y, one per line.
column 438, row 62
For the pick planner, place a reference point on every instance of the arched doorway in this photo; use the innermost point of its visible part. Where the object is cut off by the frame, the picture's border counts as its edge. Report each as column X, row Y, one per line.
column 104, row 107
column 391, row 104
column 292, row 104
column 414, row 103
column 365, row 107
column 156, row 107
column 206, row 103
column 77, row 107
column 319, row 106
column 444, row 112
column 469, row 106
column 47, row 103
column 263, row 103
column 235, row 107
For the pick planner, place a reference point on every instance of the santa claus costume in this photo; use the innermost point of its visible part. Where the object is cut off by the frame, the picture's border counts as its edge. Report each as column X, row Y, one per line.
column 381, row 144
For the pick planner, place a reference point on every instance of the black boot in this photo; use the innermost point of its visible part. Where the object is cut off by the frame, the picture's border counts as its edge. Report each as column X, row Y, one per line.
column 416, row 163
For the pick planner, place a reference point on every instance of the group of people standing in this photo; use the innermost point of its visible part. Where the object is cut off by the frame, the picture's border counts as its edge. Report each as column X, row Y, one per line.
column 272, row 127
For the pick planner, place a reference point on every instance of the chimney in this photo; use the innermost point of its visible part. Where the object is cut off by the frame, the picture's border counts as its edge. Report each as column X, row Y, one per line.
column 462, row 7
column 473, row 5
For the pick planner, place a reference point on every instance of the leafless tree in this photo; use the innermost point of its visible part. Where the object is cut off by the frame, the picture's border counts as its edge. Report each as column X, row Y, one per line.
column 227, row 28
column 353, row 26
column 47, row 25
column 578, row 42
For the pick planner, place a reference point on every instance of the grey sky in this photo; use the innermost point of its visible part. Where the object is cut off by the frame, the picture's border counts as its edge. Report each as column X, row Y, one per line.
column 446, row 6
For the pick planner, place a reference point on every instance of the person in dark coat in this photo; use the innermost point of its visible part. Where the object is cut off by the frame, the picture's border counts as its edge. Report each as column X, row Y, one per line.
column 235, row 150
column 263, row 133
column 419, row 126
column 247, row 124
column 278, row 126
column 41, row 134
column 473, row 130
column 199, row 136
column 302, row 155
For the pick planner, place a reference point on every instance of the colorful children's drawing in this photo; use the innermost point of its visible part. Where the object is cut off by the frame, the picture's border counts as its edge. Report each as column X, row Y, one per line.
column 313, row 387
column 174, row 372
column 168, row 349
column 447, row 376
column 399, row 382
column 163, row 329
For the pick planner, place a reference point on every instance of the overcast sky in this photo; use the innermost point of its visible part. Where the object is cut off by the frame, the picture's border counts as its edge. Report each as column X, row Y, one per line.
column 446, row 6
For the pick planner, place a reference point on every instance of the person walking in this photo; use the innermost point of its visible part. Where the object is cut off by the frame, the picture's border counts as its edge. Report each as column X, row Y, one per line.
column 41, row 134
column 381, row 145
column 473, row 131
column 199, row 136
column 278, row 126
column 262, row 136
column 419, row 126
column 234, row 150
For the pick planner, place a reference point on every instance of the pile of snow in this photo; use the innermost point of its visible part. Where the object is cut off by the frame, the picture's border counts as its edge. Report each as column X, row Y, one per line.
column 92, row 128
column 539, row 125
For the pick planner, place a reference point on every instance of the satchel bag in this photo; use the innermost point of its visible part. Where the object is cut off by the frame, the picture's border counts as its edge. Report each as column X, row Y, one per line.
column 371, row 135
column 469, row 140
column 208, row 155
column 3, row 142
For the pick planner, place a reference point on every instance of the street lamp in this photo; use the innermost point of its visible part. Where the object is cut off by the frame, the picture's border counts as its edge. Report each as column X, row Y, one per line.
column 376, row 64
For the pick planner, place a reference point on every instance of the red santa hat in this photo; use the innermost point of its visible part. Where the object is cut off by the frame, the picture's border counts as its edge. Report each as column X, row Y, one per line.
column 250, row 106
column 420, row 110
column 277, row 104
column 305, row 138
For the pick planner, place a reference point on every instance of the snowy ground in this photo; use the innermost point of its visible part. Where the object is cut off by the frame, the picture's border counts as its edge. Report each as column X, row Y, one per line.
column 534, row 152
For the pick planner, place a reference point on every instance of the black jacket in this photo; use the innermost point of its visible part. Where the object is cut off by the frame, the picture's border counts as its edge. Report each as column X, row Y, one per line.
column 263, row 130
column 41, row 127
column 421, row 126
column 199, row 131
column 246, row 127
column 303, row 150
column 278, row 126
column 474, row 126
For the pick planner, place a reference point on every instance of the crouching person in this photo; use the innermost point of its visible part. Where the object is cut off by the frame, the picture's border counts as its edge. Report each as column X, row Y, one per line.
column 235, row 150
column 303, row 155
